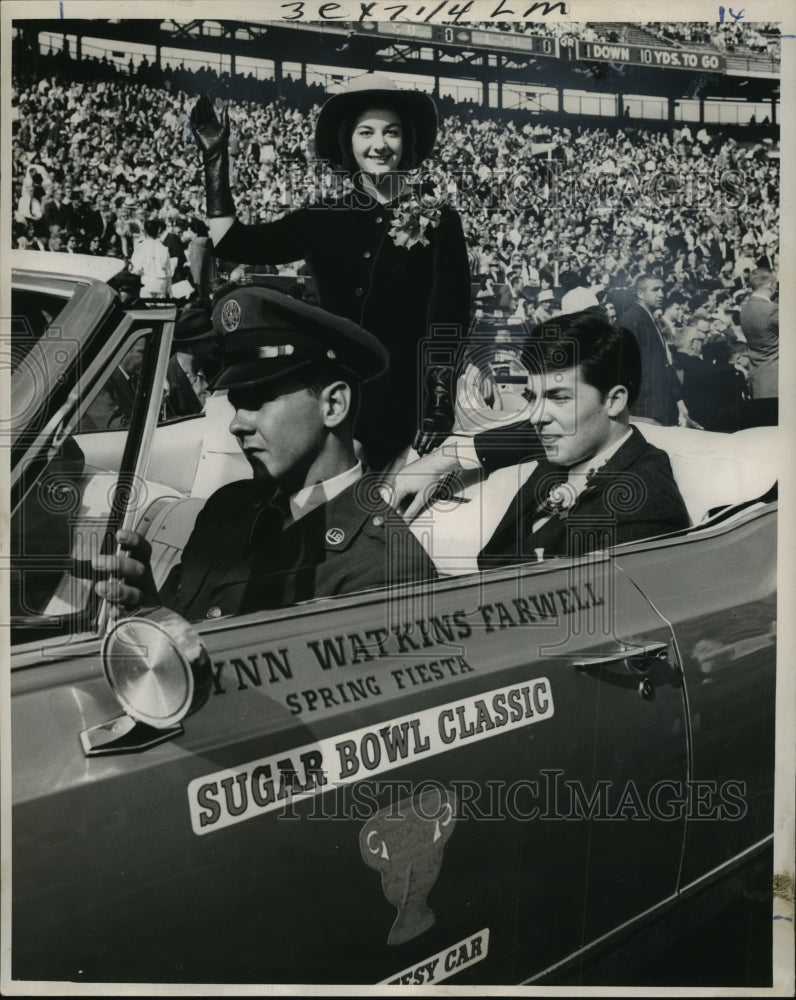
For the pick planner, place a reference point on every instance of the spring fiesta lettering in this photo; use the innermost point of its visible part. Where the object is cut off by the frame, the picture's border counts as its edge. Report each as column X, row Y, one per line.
column 231, row 796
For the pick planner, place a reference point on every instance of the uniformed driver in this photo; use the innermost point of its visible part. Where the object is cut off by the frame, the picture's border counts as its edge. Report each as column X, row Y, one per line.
column 307, row 524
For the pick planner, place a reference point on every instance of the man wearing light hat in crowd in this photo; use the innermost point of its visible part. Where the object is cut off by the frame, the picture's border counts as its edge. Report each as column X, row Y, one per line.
column 194, row 362
column 307, row 524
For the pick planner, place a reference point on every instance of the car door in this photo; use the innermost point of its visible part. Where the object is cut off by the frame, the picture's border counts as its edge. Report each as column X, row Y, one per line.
column 404, row 787
column 718, row 588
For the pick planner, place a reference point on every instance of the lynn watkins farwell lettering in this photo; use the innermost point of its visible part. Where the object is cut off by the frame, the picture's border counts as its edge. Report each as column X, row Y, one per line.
column 255, row 667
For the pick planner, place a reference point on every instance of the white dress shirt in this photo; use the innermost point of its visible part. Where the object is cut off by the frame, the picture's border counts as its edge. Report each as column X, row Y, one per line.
column 310, row 497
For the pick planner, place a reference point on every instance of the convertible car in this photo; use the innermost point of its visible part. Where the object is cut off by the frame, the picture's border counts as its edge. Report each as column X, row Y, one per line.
column 474, row 782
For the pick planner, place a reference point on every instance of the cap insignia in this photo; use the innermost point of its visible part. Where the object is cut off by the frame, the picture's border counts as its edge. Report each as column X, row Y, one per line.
column 230, row 315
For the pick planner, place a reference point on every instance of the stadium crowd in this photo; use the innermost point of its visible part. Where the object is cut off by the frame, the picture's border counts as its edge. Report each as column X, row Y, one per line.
column 555, row 218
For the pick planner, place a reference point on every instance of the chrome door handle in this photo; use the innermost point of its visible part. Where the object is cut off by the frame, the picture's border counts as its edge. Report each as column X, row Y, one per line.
column 636, row 656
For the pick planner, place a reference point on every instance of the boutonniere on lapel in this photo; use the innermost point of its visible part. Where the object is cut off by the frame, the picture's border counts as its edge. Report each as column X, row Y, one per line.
column 561, row 499
column 416, row 213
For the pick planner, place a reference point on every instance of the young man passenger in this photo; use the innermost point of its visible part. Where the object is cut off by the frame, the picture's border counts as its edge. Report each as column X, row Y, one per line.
column 598, row 482
column 304, row 526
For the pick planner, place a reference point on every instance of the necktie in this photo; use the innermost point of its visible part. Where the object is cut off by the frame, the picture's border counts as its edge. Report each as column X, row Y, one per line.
column 663, row 340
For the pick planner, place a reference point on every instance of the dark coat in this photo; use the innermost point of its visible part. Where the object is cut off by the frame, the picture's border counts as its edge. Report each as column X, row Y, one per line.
column 54, row 214
column 239, row 557
column 77, row 218
column 106, row 228
column 181, row 400
column 715, row 395
column 720, row 253
column 173, row 243
column 660, row 386
column 632, row 496
column 676, row 244
column 394, row 293
column 123, row 390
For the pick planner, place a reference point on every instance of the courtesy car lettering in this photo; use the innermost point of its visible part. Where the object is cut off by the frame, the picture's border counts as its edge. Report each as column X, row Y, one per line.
column 445, row 963
column 226, row 797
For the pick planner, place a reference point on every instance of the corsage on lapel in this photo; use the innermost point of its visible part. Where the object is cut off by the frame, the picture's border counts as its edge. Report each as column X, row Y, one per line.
column 561, row 499
column 421, row 210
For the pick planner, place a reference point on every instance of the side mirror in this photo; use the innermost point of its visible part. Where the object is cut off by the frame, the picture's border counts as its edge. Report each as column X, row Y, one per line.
column 159, row 670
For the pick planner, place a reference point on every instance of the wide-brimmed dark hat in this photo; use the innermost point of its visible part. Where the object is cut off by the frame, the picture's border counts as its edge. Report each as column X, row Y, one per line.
column 372, row 90
column 268, row 335
column 193, row 324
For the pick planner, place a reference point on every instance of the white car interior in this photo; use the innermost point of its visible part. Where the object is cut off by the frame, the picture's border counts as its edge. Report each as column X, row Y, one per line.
column 192, row 457
column 712, row 470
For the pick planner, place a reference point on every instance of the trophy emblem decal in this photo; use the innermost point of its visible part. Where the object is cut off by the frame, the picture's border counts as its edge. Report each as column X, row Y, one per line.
column 405, row 842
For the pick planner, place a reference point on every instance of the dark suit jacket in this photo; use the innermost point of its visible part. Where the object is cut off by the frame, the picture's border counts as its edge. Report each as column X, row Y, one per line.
column 715, row 395
column 676, row 243
column 173, row 243
column 632, row 496
column 77, row 218
column 54, row 214
column 181, row 400
column 660, row 387
column 394, row 293
column 122, row 391
column 720, row 253
column 239, row 558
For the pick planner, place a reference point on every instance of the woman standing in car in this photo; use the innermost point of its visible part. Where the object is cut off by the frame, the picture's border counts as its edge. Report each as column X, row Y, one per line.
column 379, row 254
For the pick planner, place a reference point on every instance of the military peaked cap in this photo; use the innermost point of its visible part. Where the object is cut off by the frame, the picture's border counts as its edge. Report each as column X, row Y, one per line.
column 268, row 334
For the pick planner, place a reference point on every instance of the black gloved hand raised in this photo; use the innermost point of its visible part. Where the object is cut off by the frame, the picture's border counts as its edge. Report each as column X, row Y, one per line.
column 212, row 137
column 211, row 134
column 439, row 410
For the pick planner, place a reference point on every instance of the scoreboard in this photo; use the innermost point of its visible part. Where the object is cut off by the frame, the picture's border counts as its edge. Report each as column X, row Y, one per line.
column 566, row 47
column 651, row 55
column 462, row 36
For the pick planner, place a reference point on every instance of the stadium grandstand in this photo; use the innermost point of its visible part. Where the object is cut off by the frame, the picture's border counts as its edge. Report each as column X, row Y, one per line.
column 578, row 156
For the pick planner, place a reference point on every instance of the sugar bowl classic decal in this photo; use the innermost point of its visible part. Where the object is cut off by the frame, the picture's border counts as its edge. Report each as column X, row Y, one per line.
column 404, row 842
column 236, row 794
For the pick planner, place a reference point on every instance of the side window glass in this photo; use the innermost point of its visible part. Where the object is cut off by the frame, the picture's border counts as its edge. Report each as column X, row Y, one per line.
column 192, row 367
column 112, row 408
column 69, row 510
